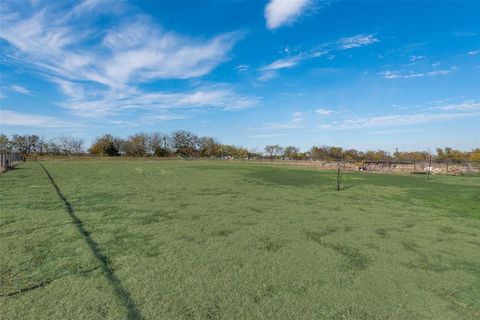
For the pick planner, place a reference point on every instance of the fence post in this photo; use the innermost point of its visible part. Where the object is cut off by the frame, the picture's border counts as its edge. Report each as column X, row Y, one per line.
column 338, row 174
column 429, row 166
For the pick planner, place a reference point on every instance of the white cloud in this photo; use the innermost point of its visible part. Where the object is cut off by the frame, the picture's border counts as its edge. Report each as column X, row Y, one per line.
column 113, row 102
column 468, row 105
column 323, row 112
column 356, row 41
column 99, row 70
column 415, row 58
column 20, row 89
column 242, row 67
column 12, row 118
column 282, row 12
column 413, row 74
column 282, row 63
column 270, row 71
column 395, row 120
column 473, row 53
column 441, row 72
column 267, row 75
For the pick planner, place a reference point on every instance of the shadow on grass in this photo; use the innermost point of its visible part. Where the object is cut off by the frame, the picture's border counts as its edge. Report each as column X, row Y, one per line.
column 121, row 292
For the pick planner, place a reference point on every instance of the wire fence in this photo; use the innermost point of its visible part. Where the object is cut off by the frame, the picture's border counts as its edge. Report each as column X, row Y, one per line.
column 387, row 166
column 8, row 160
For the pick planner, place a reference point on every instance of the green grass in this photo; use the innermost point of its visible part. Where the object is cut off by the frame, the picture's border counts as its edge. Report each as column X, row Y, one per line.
column 215, row 240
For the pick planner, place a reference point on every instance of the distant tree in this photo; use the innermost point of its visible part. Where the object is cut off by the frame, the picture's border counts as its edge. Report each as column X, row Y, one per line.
column 40, row 148
column 25, row 144
column 351, row 155
column 104, row 146
column 474, row 155
column 5, row 143
column 273, row 150
column 451, row 154
column 335, row 152
column 76, row 146
column 378, row 155
column 411, row 156
column 159, row 144
column 291, row 152
column 52, row 147
column 137, row 145
column 69, row 145
column 209, row 147
column 234, row 151
column 185, row 143
column 326, row 153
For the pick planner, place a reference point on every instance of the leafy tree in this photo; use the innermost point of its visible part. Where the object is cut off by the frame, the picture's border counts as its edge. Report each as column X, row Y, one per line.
column 291, row 152
column 104, row 146
column 451, row 154
column 378, row 155
column 273, row 150
column 474, row 155
column 209, row 147
column 5, row 143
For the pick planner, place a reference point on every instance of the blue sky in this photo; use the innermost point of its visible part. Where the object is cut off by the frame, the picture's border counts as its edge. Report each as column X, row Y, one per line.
column 365, row 75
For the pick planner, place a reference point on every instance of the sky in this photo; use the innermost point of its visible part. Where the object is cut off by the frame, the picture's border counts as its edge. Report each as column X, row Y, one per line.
column 356, row 74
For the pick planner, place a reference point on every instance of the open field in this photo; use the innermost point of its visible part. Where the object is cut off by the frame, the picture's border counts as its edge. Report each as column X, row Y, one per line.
column 216, row 240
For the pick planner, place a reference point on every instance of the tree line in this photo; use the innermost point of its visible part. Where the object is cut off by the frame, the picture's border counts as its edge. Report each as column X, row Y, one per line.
column 187, row 144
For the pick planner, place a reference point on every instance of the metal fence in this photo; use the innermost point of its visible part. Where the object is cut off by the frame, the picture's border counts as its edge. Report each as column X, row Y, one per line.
column 388, row 166
column 8, row 160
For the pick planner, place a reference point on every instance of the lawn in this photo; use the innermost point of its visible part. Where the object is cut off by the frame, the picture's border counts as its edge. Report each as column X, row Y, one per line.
column 222, row 240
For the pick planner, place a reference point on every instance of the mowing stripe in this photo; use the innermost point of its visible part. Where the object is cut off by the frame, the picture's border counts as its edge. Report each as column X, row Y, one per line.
column 121, row 292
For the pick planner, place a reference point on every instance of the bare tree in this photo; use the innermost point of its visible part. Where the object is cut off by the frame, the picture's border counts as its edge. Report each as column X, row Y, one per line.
column 137, row 145
column 185, row 143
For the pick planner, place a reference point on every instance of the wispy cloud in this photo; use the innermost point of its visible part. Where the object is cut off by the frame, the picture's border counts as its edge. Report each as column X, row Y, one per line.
column 113, row 102
column 395, row 120
column 473, row 53
column 12, row 118
column 283, row 12
column 416, row 58
column 270, row 71
column 100, row 71
column 242, row 67
column 412, row 74
column 441, row 72
column 20, row 89
column 323, row 112
column 356, row 41
column 468, row 105
column 282, row 63
column 398, row 75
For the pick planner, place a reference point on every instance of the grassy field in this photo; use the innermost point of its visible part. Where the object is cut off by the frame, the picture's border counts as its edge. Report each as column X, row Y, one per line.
column 214, row 240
